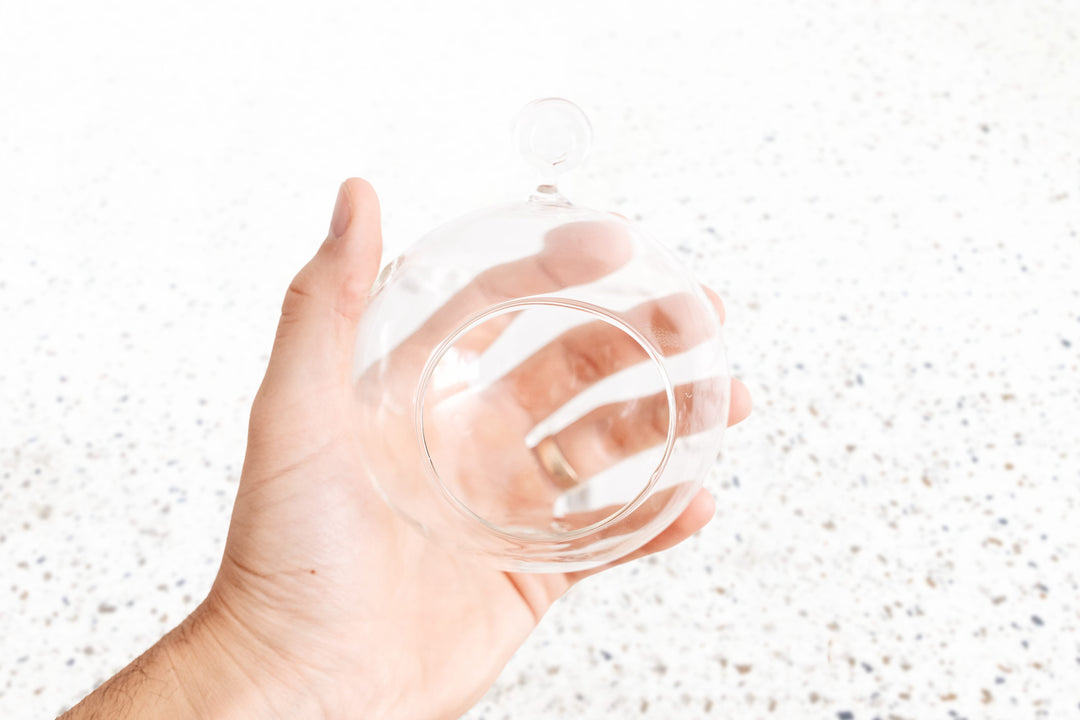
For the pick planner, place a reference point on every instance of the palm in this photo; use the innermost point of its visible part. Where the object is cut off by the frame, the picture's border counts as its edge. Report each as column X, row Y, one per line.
column 333, row 570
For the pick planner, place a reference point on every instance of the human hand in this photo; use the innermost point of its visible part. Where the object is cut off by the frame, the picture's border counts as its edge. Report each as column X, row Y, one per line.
column 327, row 602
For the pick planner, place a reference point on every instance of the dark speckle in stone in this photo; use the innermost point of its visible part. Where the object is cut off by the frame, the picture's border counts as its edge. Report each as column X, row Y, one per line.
column 1037, row 620
column 605, row 654
column 106, row 608
column 1066, row 343
column 845, row 715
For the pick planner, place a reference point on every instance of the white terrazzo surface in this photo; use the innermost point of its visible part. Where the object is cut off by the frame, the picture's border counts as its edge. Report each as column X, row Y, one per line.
column 886, row 193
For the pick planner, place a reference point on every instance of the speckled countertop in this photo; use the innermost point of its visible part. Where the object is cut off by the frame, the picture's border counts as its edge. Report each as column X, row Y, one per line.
column 887, row 194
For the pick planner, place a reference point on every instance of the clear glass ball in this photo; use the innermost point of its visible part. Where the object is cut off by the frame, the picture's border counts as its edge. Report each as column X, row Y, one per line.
column 541, row 384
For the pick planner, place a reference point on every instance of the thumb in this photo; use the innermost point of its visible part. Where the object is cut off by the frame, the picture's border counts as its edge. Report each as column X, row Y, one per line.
column 317, row 330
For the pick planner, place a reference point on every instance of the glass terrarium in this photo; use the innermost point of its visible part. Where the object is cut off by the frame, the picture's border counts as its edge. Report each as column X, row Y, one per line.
column 539, row 383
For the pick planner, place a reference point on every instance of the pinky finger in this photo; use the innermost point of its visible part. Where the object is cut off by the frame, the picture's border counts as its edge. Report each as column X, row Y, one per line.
column 696, row 516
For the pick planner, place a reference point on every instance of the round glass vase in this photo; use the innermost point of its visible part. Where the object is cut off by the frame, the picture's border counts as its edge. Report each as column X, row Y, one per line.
column 540, row 384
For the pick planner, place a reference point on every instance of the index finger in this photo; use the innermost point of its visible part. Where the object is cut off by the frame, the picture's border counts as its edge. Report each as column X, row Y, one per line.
column 573, row 254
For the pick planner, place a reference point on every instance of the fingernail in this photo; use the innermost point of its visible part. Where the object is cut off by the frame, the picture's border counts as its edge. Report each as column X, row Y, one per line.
column 342, row 213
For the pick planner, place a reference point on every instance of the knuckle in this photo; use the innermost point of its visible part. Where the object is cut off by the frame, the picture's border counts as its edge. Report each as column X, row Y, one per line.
column 584, row 364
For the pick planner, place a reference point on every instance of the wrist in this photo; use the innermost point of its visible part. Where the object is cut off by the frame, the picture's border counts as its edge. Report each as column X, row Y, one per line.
column 203, row 668
column 220, row 673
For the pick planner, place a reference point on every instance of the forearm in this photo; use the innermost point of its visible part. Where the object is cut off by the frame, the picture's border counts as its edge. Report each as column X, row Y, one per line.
column 195, row 671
